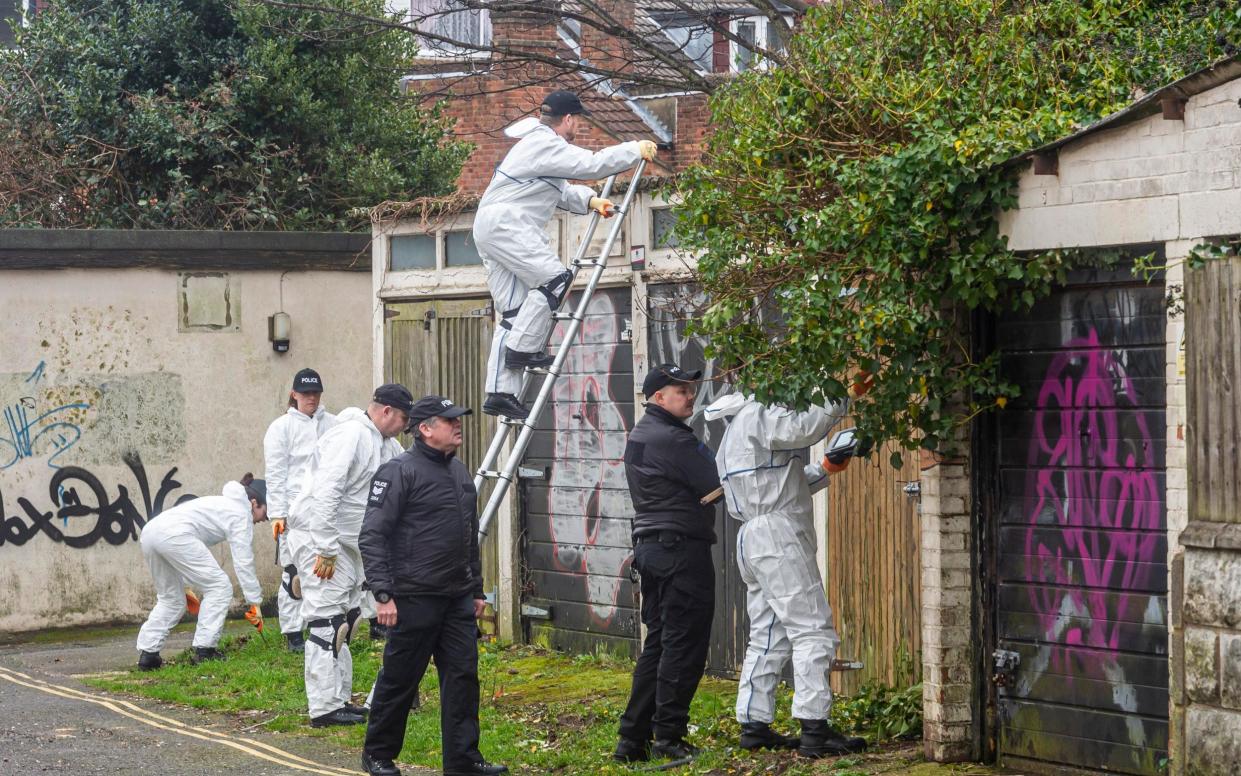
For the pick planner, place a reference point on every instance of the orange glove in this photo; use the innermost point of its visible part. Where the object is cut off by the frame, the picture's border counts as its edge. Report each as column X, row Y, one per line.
column 255, row 617
column 277, row 527
column 833, row 468
column 862, row 383
column 191, row 602
column 325, row 566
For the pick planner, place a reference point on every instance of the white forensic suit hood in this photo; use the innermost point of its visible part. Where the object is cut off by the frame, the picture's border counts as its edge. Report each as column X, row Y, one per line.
column 337, row 482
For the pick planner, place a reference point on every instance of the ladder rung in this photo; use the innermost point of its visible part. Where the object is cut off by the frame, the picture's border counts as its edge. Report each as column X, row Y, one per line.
column 590, row 263
column 569, row 316
column 512, row 421
column 542, row 370
column 491, row 474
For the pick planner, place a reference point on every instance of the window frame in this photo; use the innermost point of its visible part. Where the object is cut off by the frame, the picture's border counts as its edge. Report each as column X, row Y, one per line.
column 440, row 236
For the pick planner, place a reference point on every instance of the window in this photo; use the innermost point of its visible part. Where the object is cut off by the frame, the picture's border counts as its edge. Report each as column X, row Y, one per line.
column 694, row 43
column 459, row 249
column 663, row 228
column 449, row 19
column 14, row 14
column 754, row 32
column 411, row 251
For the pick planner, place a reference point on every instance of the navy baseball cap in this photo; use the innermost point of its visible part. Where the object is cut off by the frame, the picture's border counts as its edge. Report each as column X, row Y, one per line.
column 664, row 375
column 307, row 381
column 563, row 103
column 436, row 406
column 394, row 395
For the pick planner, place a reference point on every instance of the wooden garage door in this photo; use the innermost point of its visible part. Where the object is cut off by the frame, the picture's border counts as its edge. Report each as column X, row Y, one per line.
column 441, row 347
column 1081, row 541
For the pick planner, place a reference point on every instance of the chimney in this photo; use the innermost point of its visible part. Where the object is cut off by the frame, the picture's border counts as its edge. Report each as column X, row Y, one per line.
column 609, row 52
column 527, row 26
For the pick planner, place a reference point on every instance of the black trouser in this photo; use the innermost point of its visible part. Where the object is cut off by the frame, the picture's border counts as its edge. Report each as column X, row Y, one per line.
column 678, row 601
column 428, row 626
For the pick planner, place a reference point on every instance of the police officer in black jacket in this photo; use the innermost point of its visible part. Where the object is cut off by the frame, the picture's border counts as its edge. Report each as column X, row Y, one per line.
column 669, row 471
column 419, row 545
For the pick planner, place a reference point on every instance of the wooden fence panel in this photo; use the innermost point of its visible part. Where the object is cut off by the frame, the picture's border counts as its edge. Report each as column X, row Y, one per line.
column 1213, row 380
column 874, row 572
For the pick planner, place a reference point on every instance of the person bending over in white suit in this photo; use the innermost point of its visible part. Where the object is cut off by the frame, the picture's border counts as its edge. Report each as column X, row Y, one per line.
column 323, row 528
column 176, row 544
column 288, row 447
column 525, row 276
column 768, row 487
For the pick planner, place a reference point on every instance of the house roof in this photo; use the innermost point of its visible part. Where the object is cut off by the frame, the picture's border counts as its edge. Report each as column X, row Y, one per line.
column 1195, row 83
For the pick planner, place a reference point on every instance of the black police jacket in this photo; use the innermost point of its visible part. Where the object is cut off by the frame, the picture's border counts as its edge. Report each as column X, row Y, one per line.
column 420, row 532
column 668, row 471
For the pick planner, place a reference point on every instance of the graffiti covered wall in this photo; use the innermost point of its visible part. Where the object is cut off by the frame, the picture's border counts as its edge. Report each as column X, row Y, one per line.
column 1082, row 539
column 120, row 396
column 578, row 522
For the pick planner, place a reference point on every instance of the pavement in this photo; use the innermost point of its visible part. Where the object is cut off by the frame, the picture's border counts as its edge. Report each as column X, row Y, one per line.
column 50, row 722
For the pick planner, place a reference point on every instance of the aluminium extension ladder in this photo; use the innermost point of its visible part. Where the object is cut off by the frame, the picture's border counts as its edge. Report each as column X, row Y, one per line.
column 504, row 477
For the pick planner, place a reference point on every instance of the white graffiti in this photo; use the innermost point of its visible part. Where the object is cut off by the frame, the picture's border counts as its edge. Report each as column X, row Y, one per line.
column 588, row 495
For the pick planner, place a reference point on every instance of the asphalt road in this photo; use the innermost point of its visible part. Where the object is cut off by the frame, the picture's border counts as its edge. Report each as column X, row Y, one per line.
column 50, row 722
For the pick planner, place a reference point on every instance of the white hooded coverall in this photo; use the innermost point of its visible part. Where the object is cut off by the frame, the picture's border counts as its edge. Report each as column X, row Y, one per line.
column 768, row 487
column 524, row 274
column 175, row 544
column 288, row 447
column 325, row 520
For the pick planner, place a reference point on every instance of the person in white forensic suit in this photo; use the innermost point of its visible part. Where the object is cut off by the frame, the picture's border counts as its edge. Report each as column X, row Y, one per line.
column 525, row 276
column 176, row 545
column 767, row 486
column 323, row 528
column 288, row 447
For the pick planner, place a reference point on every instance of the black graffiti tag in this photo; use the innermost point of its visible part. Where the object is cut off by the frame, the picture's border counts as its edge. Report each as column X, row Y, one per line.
column 80, row 494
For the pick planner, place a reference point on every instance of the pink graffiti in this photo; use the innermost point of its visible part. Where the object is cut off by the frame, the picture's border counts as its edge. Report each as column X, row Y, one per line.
column 588, row 473
column 1108, row 485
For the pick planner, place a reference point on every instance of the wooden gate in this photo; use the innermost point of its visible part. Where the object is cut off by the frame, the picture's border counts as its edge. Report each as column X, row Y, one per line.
column 441, row 347
column 874, row 571
column 1080, row 559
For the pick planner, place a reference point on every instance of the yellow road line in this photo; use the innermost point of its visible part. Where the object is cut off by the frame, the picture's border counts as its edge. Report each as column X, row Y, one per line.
column 139, row 714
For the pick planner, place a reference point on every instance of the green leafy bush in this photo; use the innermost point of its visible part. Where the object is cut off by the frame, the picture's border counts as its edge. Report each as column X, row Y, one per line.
column 846, row 209
column 880, row 713
column 209, row 114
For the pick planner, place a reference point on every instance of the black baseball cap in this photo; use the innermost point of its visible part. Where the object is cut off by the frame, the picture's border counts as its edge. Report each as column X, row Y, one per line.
column 394, row 395
column 436, row 406
column 563, row 103
column 307, row 381
column 664, row 375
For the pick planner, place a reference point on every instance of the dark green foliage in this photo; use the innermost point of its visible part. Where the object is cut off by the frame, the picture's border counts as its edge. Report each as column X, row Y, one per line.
column 873, row 161
column 192, row 114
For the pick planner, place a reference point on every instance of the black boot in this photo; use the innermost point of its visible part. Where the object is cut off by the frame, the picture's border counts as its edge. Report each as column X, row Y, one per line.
column 480, row 768
column 630, row 751
column 378, row 632
column 353, row 708
column 202, row 654
column 505, row 404
column 673, row 748
column 376, row 766
column 338, row 717
column 149, row 661
column 515, row 359
column 819, row 739
column 759, row 735
column 296, row 642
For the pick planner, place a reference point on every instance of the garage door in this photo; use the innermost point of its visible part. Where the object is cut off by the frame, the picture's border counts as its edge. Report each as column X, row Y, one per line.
column 1080, row 563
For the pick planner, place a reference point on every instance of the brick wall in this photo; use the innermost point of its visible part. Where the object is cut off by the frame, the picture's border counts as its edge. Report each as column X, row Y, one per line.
column 500, row 93
column 947, row 628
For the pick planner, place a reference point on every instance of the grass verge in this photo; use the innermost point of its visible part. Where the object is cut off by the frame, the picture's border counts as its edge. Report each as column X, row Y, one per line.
column 541, row 712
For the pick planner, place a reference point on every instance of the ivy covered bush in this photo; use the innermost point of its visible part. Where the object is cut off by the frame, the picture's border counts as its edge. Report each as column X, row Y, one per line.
column 845, row 212
column 210, row 114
